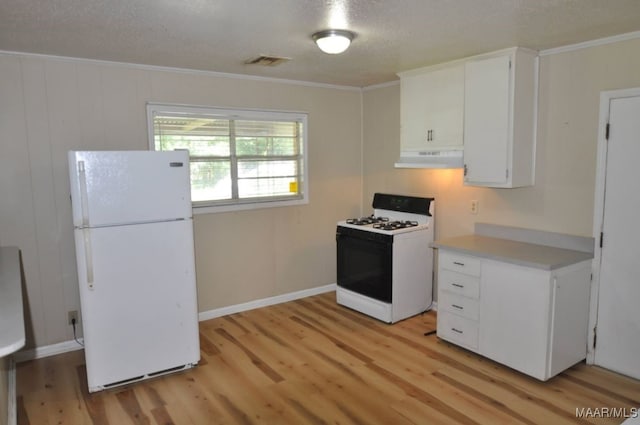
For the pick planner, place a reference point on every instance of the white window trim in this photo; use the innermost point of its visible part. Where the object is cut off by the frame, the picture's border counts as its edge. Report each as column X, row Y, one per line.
column 240, row 113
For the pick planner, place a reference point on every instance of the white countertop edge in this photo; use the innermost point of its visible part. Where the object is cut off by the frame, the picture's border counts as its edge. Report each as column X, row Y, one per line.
column 493, row 250
column 12, row 333
column 537, row 237
column 12, row 348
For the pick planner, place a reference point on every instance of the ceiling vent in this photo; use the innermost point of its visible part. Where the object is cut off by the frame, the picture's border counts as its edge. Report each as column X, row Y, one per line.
column 267, row 60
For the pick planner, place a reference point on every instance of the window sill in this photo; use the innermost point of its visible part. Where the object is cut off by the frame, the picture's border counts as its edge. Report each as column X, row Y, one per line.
column 212, row 209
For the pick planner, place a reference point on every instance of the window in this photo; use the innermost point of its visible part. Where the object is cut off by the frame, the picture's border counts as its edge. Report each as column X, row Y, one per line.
column 240, row 159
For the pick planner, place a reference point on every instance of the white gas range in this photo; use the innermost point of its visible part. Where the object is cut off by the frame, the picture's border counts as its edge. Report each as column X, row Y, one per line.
column 384, row 262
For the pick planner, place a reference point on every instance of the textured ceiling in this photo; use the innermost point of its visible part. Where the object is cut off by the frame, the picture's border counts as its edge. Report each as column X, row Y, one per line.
column 220, row 35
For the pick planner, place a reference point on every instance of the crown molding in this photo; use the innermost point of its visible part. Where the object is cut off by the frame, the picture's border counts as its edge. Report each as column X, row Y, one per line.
column 591, row 43
column 182, row 71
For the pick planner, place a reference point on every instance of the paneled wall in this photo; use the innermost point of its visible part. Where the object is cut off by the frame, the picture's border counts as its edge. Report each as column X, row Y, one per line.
column 51, row 105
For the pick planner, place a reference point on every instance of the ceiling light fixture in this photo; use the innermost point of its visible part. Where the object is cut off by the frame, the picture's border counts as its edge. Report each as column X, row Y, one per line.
column 333, row 41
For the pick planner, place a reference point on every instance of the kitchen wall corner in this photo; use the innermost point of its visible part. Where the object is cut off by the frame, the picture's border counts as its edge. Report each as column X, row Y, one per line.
column 562, row 199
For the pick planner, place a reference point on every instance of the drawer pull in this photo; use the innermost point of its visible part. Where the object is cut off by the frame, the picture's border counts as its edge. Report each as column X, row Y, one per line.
column 457, row 306
column 458, row 331
column 457, row 285
column 458, row 263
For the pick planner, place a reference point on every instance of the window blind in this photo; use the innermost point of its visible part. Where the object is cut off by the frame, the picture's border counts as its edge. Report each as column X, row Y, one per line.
column 236, row 156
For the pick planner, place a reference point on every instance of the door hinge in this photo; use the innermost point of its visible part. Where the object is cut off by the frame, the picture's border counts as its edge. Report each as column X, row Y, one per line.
column 601, row 239
column 595, row 337
column 465, row 170
column 507, row 173
column 606, row 131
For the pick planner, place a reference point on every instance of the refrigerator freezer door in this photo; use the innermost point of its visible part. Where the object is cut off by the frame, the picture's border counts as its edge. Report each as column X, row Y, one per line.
column 123, row 187
column 139, row 316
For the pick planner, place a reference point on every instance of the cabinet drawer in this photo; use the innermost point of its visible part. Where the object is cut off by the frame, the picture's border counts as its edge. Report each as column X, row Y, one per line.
column 458, row 330
column 459, row 263
column 459, row 305
column 459, row 283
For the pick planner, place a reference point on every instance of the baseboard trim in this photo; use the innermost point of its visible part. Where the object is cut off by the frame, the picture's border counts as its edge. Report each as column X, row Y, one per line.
column 72, row 345
column 46, row 351
column 12, row 394
column 265, row 302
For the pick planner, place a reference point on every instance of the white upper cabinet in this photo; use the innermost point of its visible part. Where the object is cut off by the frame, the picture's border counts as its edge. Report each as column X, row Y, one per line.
column 431, row 116
column 500, row 98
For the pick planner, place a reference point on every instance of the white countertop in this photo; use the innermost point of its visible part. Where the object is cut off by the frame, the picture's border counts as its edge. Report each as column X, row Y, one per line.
column 11, row 312
column 515, row 252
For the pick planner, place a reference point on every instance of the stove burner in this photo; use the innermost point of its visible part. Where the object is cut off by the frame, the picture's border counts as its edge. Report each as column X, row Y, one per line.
column 395, row 225
column 363, row 221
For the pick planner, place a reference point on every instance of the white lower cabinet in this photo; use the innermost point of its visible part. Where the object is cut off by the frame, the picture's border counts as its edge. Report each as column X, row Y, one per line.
column 532, row 320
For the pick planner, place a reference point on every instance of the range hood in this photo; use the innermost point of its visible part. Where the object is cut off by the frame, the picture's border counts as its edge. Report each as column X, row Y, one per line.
column 430, row 159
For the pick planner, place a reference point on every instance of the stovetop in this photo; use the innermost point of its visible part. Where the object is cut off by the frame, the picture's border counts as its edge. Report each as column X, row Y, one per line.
column 383, row 224
column 394, row 214
column 363, row 221
column 395, row 225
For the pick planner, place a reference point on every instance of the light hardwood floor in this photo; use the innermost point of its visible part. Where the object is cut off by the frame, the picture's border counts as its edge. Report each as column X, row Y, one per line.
column 313, row 362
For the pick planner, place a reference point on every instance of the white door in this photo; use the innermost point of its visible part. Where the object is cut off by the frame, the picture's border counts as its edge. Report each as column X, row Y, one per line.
column 618, row 315
column 511, row 297
column 486, row 119
column 123, row 187
column 139, row 309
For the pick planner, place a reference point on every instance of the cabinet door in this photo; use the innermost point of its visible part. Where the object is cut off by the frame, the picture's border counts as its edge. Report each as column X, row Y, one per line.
column 487, row 96
column 515, row 307
column 570, row 317
column 431, row 108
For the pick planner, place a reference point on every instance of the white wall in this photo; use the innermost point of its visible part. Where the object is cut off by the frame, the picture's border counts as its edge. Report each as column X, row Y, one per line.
column 562, row 199
column 50, row 105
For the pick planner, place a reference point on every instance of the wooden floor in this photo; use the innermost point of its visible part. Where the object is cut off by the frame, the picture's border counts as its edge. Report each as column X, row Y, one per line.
column 313, row 362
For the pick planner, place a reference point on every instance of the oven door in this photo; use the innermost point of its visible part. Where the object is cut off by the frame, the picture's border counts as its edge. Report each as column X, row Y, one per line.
column 365, row 262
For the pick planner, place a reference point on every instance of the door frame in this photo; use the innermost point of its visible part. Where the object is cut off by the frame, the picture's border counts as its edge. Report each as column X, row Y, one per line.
column 598, row 212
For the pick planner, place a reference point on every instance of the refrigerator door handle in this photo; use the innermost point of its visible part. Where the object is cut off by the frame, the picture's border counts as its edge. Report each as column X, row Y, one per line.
column 88, row 254
column 84, row 195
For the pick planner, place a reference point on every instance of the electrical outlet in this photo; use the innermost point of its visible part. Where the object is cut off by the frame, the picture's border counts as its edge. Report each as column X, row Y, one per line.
column 473, row 207
column 71, row 316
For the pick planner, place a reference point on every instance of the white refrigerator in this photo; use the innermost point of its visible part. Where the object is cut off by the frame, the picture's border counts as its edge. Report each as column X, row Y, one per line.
column 133, row 230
